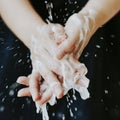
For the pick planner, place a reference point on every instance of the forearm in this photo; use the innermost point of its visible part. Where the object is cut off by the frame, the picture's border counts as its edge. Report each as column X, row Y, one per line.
column 21, row 18
column 105, row 10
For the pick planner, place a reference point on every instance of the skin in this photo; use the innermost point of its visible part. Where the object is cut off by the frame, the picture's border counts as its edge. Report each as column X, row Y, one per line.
column 65, row 46
column 105, row 10
column 21, row 11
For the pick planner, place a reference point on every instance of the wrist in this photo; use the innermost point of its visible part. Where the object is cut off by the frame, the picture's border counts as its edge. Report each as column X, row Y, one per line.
column 90, row 17
column 33, row 31
column 85, row 23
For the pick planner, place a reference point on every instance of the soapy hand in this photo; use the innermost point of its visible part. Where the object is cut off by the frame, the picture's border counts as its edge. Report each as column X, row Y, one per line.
column 78, row 28
column 59, row 75
column 50, row 68
column 42, row 54
column 36, row 87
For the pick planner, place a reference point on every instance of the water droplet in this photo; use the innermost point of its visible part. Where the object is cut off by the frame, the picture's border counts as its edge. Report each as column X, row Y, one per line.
column 98, row 46
column 112, row 36
column 9, row 48
column 28, row 101
column 101, row 100
column 76, row 109
column 108, row 77
column 86, row 54
column 53, row 114
column 15, row 54
column 75, row 2
column 101, row 38
column 71, row 113
column 1, row 66
column 11, row 92
column 106, row 49
column 71, row 101
column 106, row 108
column 22, row 107
column 2, row 108
column 95, row 55
column 19, row 60
column 13, row 100
column 63, row 117
column 3, row 99
column 119, row 83
column 106, row 91
column 6, row 86
column 66, row 9
column 111, row 44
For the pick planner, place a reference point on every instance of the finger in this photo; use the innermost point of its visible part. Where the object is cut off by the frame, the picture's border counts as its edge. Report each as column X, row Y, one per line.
column 84, row 82
column 65, row 48
column 77, row 52
column 52, row 80
column 23, row 80
column 59, row 33
column 34, row 85
column 45, row 97
column 56, row 87
column 24, row 92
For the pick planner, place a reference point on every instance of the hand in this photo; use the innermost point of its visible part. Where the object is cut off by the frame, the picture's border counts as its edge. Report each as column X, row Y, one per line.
column 42, row 56
column 40, row 91
column 79, row 28
column 72, row 72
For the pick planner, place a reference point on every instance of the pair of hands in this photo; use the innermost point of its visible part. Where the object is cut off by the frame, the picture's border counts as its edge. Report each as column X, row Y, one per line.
column 49, row 44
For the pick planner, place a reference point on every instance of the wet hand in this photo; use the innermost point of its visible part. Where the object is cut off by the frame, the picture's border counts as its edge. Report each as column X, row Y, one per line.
column 78, row 30
column 36, row 87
